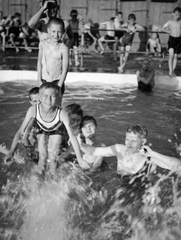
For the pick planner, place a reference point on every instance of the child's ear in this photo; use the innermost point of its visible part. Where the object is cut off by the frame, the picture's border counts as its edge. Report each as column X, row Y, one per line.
column 144, row 140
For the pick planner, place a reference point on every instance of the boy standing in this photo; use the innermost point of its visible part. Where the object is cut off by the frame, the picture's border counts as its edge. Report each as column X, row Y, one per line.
column 53, row 56
column 173, row 28
column 126, row 41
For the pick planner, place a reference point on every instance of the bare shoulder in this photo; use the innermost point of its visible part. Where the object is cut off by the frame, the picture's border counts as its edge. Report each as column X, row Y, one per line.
column 63, row 47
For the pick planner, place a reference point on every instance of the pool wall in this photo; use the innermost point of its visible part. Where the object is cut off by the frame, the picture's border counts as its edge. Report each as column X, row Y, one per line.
column 92, row 78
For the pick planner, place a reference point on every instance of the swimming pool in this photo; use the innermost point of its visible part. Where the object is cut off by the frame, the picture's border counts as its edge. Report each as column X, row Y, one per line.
column 116, row 103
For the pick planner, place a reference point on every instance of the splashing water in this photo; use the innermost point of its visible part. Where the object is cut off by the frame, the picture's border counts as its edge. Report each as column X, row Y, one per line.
column 67, row 207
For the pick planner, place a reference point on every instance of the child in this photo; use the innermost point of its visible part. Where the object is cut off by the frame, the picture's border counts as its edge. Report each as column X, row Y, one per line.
column 109, row 25
column 88, row 36
column 20, row 136
column 75, row 113
column 16, row 31
column 146, row 76
column 53, row 56
column 51, row 120
column 88, row 128
column 126, row 41
column 134, row 158
column 74, row 23
column 173, row 28
column 153, row 44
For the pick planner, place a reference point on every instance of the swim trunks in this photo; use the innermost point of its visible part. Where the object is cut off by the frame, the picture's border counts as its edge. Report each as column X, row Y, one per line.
column 175, row 43
column 56, row 82
column 144, row 87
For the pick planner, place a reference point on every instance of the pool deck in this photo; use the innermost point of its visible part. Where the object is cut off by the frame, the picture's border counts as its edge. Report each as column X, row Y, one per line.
column 92, row 62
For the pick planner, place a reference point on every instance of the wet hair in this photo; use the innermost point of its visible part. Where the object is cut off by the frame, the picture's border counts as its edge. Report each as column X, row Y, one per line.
column 74, row 108
column 177, row 9
column 138, row 128
column 48, row 85
column 73, row 12
column 32, row 91
column 112, row 19
column 57, row 21
column 86, row 119
column 119, row 13
column 131, row 16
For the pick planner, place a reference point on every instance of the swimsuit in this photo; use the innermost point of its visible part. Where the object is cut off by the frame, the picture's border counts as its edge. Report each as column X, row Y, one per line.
column 55, row 127
column 75, row 28
column 127, row 39
column 144, row 87
column 175, row 43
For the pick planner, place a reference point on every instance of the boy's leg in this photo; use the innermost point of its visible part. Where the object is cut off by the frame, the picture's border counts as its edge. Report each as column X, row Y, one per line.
column 128, row 48
column 170, row 61
column 100, row 40
column 116, row 47
column 12, row 37
column 121, row 59
column 23, row 36
column 54, row 145
column 175, row 57
column 43, row 153
column 76, row 56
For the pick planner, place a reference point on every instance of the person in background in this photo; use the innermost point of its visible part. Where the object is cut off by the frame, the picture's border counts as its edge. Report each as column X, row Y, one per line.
column 146, row 76
column 15, row 31
column 53, row 56
column 126, row 41
column 74, row 22
column 118, row 21
column 89, row 38
column 109, row 25
column 153, row 44
column 40, row 21
column 173, row 28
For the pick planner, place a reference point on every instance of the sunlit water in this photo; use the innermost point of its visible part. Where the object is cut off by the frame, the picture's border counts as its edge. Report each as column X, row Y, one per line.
column 77, row 205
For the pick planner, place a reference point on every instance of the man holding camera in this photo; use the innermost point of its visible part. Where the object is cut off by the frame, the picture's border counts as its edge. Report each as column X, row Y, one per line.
column 41, row 19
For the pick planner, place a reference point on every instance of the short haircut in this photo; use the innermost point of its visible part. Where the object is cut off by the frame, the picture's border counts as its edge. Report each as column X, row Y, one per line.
column 131, row 16
column 43, row 1
column 73, row 12
column 177, row 9
column 138, row 128
column 86, row 119
column 112, row 19
column 57, row 21
column 120, row 13
column 48, row 85
column 34, row 90
column 74, row 108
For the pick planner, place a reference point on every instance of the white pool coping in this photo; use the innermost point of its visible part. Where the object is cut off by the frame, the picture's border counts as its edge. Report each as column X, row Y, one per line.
column 91, row 78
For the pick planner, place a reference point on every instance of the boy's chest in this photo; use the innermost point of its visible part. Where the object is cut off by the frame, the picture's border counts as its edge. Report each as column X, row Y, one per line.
column 53, row 52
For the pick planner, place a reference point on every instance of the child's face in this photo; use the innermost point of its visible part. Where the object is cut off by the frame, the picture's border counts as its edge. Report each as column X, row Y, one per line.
column 131, row 21
column 48, row 97
column 89, row 129
column 75, row 121
column 145, row 65
column 52, row 9
column 34, row 98
column 133, row 142
column 55, row 31
column 176, row 15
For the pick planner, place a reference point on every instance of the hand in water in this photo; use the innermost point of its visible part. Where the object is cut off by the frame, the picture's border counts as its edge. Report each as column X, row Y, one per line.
column 8, row 159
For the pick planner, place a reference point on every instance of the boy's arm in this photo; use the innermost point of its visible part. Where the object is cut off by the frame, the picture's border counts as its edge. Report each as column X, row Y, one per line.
column 147, row 45
column 165, row 27
column 167, row 162
column 80, row 18
column 34, row 21
column 39, row 64
column 27, row 131
column 65, row 119
column 138, row 77
column 139, row 28
column 65, row 57
column 18, row 135
column 99, row 151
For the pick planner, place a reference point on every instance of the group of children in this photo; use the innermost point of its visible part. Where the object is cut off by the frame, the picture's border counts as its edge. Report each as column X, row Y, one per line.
column 52, row 128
